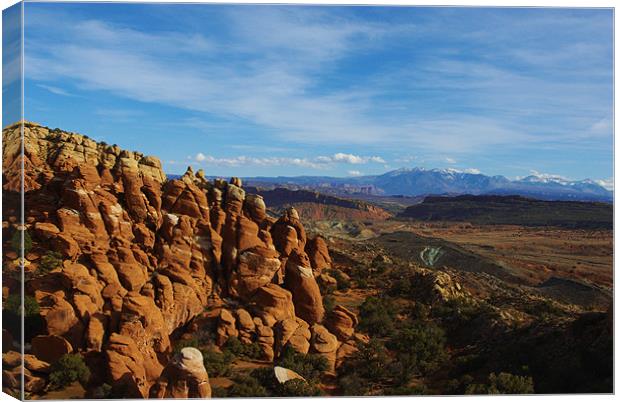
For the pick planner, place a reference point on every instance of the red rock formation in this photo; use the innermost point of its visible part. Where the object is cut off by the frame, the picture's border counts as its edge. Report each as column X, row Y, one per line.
column 184, row 377
column 300, row 281
column 143, row 256
column 341, row 322
column 317, row 251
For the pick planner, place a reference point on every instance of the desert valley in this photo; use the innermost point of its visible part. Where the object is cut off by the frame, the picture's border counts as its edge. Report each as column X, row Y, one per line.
column 285, row 289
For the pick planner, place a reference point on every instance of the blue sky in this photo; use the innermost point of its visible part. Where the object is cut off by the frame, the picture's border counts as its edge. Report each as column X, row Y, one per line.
column 338, row 91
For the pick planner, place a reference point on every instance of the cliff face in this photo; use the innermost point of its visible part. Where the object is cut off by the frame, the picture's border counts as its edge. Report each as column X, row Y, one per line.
column 316, row 206
column 140, row 257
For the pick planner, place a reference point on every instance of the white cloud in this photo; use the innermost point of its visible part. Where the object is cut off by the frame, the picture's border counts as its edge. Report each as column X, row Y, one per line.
column 450, row 160
column 472, row 171
column 406, row 159
column 254, row 161
column 354, row 159
column 54, row 90
column 354, row 173
column 319, row 162
column 244, row 76
column 602, row 126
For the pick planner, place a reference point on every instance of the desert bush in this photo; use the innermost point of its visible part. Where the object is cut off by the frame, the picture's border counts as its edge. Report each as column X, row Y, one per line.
column 503, row 383
column 421, row 311
column 68, row 369
column 461, row 309
column 13, row 304
column 420, row 347
column 468, row 363
column 406, row 390
column 219, row 392
column 296, row 388
column 34, row 324
column 186, row 343
column 544, row 309
column 342, row 282
column 49, row 261
column 292, row 388
column 352, row 384
column 309, row 366
column 216, row 363
column 105, row 391
column 239, row 349
column 247, row 387
column 16, row 241
column 377, row 316
column 329, row 302
column 360, row 272
column 368, row 367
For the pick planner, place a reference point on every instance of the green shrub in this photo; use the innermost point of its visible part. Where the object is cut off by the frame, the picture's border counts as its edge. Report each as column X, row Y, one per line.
column 461, row 310
column 297, row 387
column 292, row 388
column 352, row 384
column 406, row 390
column 248, row 387
column 329, row 302
column 50, row 261
column 185, row 343
column 503, row 383
column 13, row 303
column 16, row 241
column 342, row 282
column 34, row 324
column 217, row 363
column 309, row 366
column 468, row 363
column 377, row 316
column 420, row 347
column 68, row 369
column 369, row 367
column 362, row 275
column 421, row 311
column 219, row 392
column 239, row 349
column 104, row 391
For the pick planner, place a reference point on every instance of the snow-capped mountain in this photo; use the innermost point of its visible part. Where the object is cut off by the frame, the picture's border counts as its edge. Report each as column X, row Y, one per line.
column 420, row 181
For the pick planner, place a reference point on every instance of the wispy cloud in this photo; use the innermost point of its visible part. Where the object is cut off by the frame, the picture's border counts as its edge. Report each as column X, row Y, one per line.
column 275, row 92
column 319, row 162
column 350, row 158
column 254, row 161
column 448, row 84
column 54, row 90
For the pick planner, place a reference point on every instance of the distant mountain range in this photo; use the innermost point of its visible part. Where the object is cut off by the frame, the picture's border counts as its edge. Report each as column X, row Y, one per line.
column 420, row 181
column 414, row 182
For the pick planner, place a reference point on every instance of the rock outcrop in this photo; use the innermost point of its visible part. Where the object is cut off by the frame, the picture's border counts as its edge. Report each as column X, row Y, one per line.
column 136, row 256
column 184, row 377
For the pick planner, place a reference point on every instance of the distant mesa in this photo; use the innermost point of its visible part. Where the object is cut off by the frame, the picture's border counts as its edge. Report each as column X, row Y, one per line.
column 512, row 210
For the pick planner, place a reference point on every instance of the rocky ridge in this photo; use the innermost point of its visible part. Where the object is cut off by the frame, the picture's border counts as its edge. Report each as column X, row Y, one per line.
column 142, row 257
